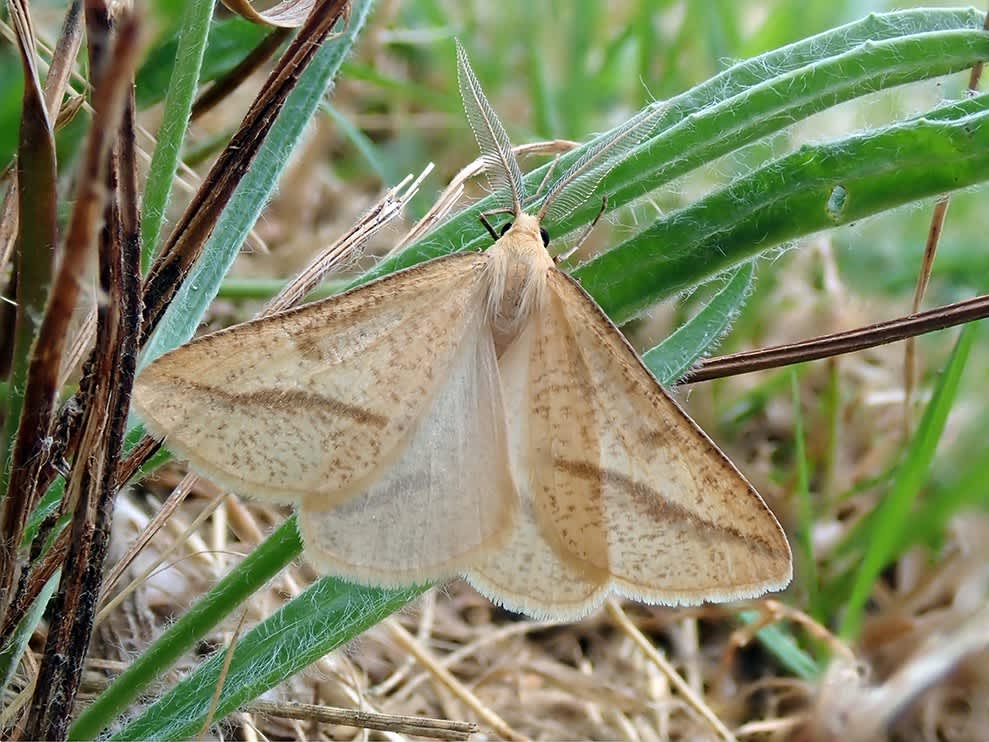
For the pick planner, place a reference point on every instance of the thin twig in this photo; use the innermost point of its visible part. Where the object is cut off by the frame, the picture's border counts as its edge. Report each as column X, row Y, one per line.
column 224, row 671
column 453, row 659
column 418, row 726
column 425, row 658
column 838, row 343
column 111, row 604
column 164, row 513
column 389, row 206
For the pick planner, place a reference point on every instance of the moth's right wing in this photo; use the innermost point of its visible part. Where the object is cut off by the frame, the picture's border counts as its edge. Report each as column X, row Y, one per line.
column 315, row 402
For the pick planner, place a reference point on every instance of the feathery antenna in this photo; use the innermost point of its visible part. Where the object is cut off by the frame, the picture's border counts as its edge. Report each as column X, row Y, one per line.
column 501, row 167
column 577, row 184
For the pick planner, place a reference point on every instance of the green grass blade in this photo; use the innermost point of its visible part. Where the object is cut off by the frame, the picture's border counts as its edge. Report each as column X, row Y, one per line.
column 239, row 585
column 545, row 110
column 362, row 142
column 966, row 490
column 175, row 120
column 784, row 647
column 11, row 95
column 673, row 358
column 228, row 43
column 327, row 615
column 895, row 510
column 14, row 645
column 422, row 94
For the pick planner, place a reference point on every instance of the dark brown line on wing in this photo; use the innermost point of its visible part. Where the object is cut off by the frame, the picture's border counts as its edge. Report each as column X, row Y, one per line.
column 658, row 506
column 278, row 398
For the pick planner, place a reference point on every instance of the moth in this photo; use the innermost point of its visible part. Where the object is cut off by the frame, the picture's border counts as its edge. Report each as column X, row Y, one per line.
column 475, row 415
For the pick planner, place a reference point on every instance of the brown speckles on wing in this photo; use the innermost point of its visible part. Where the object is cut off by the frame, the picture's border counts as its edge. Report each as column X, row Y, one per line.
column 312, row 400
column 683, row 525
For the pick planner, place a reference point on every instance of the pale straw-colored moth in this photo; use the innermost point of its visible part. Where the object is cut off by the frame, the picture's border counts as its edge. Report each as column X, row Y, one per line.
column 475, row 415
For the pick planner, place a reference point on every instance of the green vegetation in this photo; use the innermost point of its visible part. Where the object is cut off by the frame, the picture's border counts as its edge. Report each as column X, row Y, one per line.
column 788, row 185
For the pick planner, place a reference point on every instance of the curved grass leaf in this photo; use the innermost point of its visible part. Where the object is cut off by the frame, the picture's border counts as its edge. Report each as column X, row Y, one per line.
column 13, row 646
column 673, row 358
column 315, row 623
column 791, row 197
column 746, row 102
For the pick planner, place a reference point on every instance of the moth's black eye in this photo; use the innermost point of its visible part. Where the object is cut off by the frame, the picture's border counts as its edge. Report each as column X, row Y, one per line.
column 545, row 235
column 508, row 225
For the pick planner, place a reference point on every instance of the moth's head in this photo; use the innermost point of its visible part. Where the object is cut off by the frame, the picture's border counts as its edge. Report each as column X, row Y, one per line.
column 527, row 226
